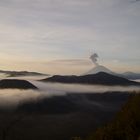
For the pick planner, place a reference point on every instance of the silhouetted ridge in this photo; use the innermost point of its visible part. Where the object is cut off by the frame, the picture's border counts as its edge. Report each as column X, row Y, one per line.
column 16, row 84
column 100, row 78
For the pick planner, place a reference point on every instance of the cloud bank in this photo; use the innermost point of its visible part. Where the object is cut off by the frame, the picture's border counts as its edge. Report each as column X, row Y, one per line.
column 12, row 98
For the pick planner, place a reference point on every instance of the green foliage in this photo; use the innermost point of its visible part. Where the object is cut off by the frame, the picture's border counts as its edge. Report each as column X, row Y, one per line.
column 126, row 125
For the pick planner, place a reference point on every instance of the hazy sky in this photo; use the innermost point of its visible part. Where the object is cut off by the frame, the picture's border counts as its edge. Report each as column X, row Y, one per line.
column 57, row 36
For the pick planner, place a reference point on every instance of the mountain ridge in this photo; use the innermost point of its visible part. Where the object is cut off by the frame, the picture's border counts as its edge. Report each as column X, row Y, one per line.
column 100, row 78
column 21, row 73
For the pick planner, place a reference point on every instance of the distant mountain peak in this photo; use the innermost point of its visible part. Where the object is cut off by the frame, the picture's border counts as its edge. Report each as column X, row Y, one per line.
column 97, row 69
column 131, row 75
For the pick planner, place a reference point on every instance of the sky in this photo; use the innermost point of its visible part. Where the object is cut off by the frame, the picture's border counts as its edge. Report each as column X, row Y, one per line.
column 58, row 36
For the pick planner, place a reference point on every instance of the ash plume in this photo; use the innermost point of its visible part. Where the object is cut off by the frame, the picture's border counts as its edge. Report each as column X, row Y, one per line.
column 94, row 57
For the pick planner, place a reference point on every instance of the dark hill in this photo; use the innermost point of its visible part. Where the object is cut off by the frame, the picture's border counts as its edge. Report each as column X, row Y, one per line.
column 100, row 78
column 125, row 126
column 16, row 84
column 60, row 117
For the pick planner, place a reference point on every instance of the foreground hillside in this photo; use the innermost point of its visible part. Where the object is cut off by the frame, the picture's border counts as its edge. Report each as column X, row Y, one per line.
column 126, row 125
column 60, row 117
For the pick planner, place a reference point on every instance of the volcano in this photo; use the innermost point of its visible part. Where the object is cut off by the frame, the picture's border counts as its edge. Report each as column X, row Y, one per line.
column 99, row 68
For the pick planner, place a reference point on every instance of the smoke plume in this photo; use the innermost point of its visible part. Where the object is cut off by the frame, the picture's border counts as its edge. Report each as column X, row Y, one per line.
column 94, row 57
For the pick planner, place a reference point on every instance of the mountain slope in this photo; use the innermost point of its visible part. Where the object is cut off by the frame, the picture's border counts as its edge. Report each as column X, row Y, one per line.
column 100, row 78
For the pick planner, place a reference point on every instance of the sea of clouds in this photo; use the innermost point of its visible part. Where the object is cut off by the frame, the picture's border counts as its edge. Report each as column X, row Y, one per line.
column 13, row 97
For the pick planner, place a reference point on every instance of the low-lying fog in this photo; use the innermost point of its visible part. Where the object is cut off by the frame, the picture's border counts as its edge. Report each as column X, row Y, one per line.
column 12, row 97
